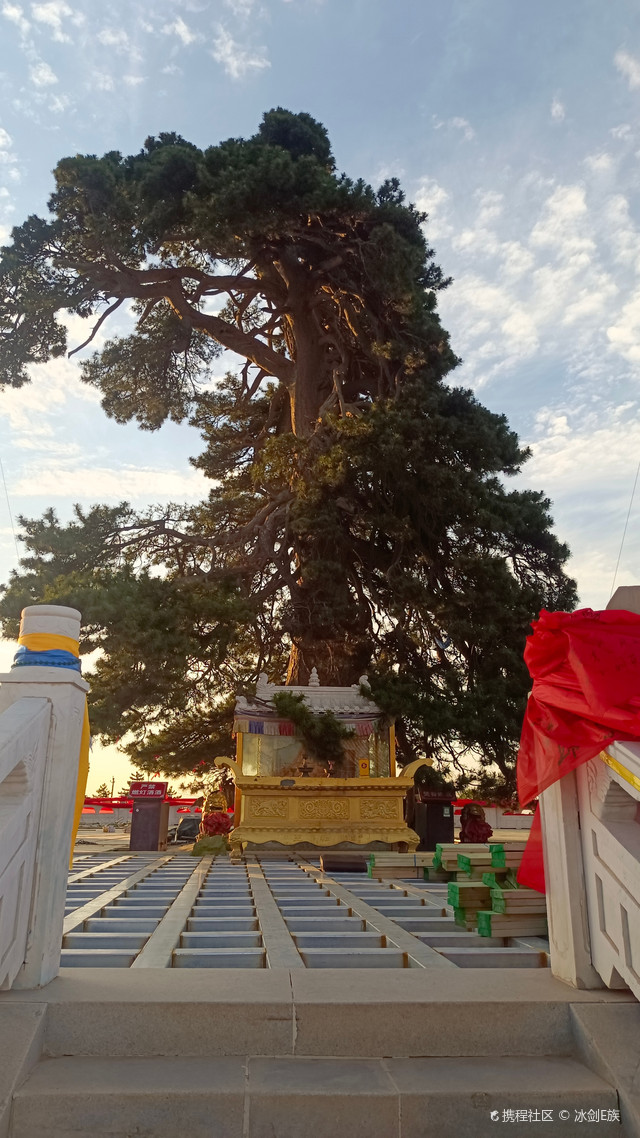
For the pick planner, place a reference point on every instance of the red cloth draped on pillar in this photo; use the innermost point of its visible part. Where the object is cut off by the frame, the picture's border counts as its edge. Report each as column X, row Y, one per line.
column 585, row 668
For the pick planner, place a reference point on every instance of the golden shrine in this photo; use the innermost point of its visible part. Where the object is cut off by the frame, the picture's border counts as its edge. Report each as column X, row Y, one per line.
column 285, row 796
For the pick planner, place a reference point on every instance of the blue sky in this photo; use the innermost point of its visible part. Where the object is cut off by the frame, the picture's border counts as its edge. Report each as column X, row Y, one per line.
column 514, row 125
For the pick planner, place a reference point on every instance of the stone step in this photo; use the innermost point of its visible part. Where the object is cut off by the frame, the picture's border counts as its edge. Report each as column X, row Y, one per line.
column 426, row 924
column 222, row 924
column 458, row 939
column 312, row 910
column 287, row 1097
column 495, row 957
column 336, row 1012
column 430, row 924
column 121, row 925
column 339, row 940
column 208, row 910
column 399, row 912
column 220, row 940
column 221, row 1098
column 302, row 888
column 231, row 896
column 97, row 958
column 120, row 910
column 115, row 939
column 219, row 958
column 354, row 958
column 167, row 890
column 324, row 924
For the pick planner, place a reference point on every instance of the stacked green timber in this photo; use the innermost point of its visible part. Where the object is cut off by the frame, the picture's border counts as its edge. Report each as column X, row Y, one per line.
column 386, row 865
column 447, row 853
column 506, row 855
column 466, row 899
column 474, row 864
column 429, row 873
column 514, row 912
column 497, row 877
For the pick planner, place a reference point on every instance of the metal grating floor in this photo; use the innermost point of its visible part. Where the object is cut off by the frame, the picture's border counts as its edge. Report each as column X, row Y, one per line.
column 171, row 911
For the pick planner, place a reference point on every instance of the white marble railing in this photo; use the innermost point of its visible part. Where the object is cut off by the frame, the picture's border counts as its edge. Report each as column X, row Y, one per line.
column 591, row 831
column 41, row 716
column 24, row 732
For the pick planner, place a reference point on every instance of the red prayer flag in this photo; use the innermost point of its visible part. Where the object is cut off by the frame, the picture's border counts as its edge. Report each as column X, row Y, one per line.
column 585, row 667
column 531, row 871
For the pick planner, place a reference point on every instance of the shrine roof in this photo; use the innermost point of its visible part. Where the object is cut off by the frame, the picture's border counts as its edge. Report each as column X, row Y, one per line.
column 342, row 701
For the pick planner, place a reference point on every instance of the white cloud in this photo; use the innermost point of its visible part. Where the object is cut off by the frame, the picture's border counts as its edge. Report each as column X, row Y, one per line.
column 241, row 9
column 114, row 37
column 516, row 259
column 42, row 75
column 133, row 80
column 101, row 81
column 560, row 226
column 236, row 60
column 60, row 479
column 624, row 334
column 629, row 67
column 558, row 111
column 58, row 104
column 586, row 459
column 549, row 295
column 432, row 198
column 457, row 124
column 490, row 206
column 622, row 131
column 6, row 141
column 53, row 13
column 181, row 30
column 624, row 238
column 29, row 409
column 599, row 163
column 15, row 14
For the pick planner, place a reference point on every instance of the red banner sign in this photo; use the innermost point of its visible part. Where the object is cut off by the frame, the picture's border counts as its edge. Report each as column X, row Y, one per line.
column 148, row 789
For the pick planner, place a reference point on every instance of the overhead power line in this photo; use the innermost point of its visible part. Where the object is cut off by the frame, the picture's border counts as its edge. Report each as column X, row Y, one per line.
column 624, row 532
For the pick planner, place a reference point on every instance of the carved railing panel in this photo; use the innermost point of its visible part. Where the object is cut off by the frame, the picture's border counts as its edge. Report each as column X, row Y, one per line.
column 24, row 732
column 609, row 802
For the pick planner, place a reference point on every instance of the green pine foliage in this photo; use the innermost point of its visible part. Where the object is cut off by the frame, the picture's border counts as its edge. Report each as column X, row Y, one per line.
column 322, row 732
column 359, row 517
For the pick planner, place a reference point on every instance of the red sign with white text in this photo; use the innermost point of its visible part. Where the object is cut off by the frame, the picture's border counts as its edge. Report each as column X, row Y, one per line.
column 148, row 789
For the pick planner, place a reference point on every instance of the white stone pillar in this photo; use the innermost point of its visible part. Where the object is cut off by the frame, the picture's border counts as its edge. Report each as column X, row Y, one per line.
column 569, row 942
column 66, row 691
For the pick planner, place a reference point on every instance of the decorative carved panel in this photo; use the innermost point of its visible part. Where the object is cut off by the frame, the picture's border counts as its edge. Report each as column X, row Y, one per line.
column 324, row 808
column 269, row 807
column 378, row 808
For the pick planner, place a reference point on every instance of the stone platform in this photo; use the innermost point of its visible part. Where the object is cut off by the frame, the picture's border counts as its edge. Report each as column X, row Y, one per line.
column 267, row 999
column 227, row 1054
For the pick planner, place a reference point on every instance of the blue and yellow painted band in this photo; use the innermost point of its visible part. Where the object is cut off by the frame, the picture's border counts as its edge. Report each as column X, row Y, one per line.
column 45, row 641
column 41, row 643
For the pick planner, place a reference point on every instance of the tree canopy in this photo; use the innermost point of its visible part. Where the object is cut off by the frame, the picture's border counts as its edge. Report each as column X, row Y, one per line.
column 358, row 517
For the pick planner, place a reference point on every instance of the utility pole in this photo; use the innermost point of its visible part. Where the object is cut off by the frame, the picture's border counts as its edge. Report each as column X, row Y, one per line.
column 113, row 783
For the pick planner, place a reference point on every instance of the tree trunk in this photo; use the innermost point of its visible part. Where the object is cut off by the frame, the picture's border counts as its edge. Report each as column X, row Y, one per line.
column 312, row 378
column 339, row 663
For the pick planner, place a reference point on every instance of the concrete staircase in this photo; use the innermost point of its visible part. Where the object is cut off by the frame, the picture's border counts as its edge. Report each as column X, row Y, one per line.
column 408, row 1053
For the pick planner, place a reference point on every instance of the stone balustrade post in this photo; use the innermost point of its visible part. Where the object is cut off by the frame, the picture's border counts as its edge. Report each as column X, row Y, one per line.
column 65, row 690
column 568, row 918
